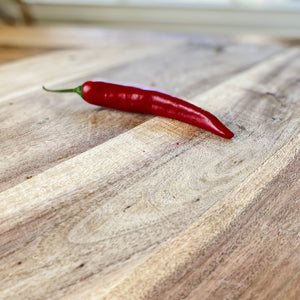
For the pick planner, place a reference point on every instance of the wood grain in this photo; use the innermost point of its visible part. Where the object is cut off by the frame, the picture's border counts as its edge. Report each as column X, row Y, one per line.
column 263, row 248
column 49, row 115
column 197, row 258
column 127, row 206
column 63, row 66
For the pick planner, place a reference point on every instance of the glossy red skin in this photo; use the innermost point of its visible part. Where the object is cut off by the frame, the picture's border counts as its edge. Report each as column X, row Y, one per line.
column 133, row 99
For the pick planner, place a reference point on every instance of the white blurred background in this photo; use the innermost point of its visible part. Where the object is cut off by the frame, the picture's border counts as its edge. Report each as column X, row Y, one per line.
column 279, row 18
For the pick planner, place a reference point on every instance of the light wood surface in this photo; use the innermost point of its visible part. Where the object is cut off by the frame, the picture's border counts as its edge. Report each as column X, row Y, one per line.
column 102, row 204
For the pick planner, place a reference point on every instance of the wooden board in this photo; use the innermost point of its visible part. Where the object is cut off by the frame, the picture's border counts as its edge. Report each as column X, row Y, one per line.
column 56, row 37
column 18, row 42
column 22, row 41
column 102, row 204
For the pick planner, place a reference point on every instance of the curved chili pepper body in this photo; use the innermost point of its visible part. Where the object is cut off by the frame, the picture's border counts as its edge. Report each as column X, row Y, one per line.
column 133, row 99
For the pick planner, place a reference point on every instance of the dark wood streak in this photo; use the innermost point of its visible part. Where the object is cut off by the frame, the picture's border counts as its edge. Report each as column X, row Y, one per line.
column 279, row 69
column 106, row 125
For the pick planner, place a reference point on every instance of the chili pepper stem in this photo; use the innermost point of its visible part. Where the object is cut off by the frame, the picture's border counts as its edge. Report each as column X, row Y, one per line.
column 77, row 90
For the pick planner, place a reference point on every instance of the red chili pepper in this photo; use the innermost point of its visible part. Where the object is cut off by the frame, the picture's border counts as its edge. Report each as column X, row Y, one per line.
column 133, row 99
